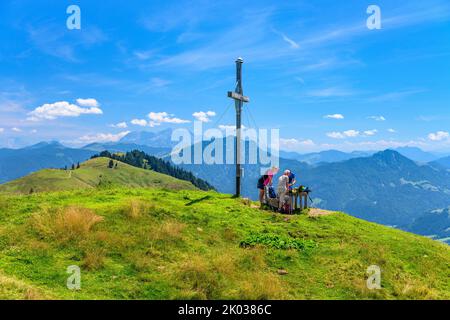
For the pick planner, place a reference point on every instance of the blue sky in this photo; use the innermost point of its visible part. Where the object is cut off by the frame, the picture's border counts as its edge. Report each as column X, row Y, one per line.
column 312, row 69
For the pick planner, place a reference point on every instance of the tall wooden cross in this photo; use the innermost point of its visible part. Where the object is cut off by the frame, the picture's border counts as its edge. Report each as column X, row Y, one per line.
column 239, row 99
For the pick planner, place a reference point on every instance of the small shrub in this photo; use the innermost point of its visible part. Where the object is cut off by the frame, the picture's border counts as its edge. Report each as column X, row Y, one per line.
column 277, row 242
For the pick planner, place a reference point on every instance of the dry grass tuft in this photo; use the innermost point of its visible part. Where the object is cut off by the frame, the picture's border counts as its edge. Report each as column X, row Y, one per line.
column 196, row 272
column 94, row 258
column 133, row 209
column 136, row 208
column 71, row 223
column 262, row 286
column 225, row 264
column 168, row 230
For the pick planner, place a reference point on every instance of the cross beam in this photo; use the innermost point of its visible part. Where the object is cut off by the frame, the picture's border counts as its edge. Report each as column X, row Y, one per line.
column 239, row 99
column 237, row 96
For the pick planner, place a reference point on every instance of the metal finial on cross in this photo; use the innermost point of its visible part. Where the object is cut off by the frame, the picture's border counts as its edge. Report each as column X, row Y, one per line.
column 239, row 99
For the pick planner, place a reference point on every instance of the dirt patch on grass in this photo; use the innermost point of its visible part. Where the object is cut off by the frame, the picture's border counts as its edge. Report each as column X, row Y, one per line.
column 313, row 212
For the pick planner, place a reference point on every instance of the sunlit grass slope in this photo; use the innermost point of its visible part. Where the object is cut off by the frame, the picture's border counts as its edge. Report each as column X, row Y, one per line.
column 92, row 174
column 172, row 244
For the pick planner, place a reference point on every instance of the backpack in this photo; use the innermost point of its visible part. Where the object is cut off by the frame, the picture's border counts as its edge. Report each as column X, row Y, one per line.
column 286, row 208
column 272, row 193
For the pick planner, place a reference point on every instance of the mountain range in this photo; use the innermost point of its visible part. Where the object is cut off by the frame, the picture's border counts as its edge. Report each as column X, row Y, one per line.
column 385, row 187
column 16, row 163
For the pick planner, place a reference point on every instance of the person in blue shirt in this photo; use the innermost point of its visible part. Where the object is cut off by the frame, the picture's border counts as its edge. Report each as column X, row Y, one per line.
column 292, row 180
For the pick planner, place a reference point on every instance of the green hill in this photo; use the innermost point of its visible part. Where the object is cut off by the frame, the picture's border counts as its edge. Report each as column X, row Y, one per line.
column 148, row 243
column 92, row 174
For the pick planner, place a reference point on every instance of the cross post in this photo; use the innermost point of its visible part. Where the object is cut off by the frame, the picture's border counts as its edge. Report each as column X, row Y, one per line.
column 239, row 99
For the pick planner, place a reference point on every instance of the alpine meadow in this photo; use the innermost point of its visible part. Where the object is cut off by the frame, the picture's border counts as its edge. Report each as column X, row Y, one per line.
column 231, row 159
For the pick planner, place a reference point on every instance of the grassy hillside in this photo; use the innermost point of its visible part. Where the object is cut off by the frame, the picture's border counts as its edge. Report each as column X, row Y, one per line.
column 91, row 174
column 168, row 244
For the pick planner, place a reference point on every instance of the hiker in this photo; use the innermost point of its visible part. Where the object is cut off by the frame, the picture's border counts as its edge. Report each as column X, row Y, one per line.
column 292, row 180
column 283, row 188
column 264, row 181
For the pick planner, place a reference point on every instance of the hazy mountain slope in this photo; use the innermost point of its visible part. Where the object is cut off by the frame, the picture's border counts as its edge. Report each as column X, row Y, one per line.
column 166, row 244
column 126, row 147
column 443, row 162
column 435, row 224
column 416, row 154
column 387, row 188
column 92, row 174
column 326, row 156
column 329, row 156
column 16, row 163
column 160, row 139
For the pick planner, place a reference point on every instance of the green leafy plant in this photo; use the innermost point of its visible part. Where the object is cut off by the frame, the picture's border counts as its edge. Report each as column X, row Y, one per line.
column 277, row 241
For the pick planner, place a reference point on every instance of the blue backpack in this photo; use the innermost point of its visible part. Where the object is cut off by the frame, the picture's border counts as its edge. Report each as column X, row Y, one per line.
column 272, row 193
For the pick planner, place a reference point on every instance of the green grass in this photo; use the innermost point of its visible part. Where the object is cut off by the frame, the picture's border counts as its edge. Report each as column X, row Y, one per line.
column 150, row 243
column 92, row 174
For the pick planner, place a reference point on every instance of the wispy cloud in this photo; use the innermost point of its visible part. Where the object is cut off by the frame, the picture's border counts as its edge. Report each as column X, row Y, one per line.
column 395, row 96
column 336, row 116
column 377, row 118
column 330, row 92
column 102, row 137
column 439, row 136
column 343, row 135
column 120, row 125
column 54, row 40
column 139, row 122
column 370, row 133
column 296, row 144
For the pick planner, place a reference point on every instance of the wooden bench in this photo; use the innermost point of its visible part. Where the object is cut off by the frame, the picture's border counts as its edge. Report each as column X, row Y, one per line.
column 299, row 200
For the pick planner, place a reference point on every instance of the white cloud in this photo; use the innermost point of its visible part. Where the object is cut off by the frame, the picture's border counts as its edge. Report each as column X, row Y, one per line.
column 16, row 130
column 121, row 125
column 343, row 135
column 34, row 131
column 351, row 133
column 51, row 111
column 2, row 130
column 370, row 132
column 377, row 118
column 392, row 130
column 139, row 122
column 336, row 116
column 156, row 118
column 103, row 137
column 88, row 103
column 204, row 116
column 295, row 144
column 335, row 135
column 439, row 136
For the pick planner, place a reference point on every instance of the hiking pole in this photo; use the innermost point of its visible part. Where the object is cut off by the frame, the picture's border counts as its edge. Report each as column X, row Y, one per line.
column 311, row 200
